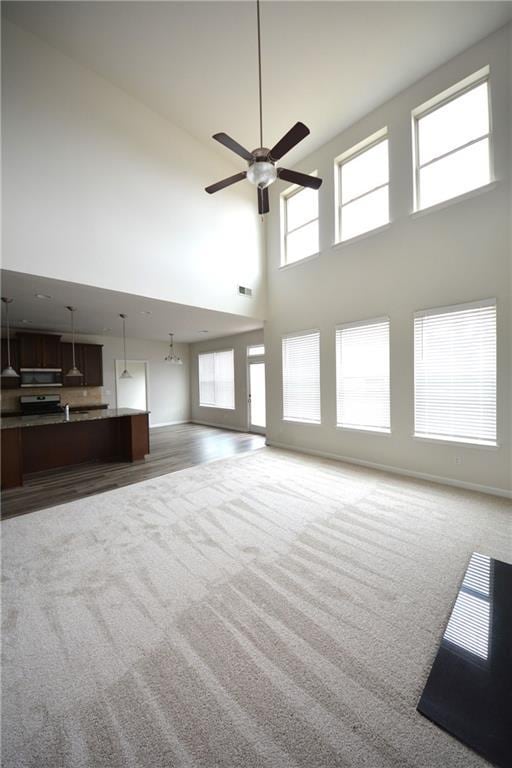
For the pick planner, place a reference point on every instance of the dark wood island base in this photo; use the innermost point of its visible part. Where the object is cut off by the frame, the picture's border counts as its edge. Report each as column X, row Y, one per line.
column 52, row 443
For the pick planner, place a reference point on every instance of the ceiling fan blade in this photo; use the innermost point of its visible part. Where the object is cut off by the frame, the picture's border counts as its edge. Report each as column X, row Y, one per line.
column 289, row 141
column 263, row 204
column 299, row 178
column 225, row 182
column 233, row 145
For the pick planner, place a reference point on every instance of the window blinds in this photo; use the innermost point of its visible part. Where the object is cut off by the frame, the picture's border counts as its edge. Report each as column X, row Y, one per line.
column 455, row 373
column 301, row 377
column 362, row 375
column 216, row 379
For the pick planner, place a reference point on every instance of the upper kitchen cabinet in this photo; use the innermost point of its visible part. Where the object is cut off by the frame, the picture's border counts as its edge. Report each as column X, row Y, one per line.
column 39, row 350
column 88, row 360
column 9, row 382
column 92, row 355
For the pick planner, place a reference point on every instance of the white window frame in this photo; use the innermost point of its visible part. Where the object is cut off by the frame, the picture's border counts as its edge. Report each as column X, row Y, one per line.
column 295, row 189
column 362, row 324
column 208, row 405
column 250, row 350
column 450, row 94
column 292, row 335
column 359, row 149
column 475, row 443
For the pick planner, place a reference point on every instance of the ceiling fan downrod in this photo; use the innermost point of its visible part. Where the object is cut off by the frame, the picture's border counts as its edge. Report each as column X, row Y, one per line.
column 262, row 171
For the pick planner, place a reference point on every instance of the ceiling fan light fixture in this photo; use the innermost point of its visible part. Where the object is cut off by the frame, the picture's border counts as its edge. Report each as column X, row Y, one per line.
column 262, row 173
column 261, row 169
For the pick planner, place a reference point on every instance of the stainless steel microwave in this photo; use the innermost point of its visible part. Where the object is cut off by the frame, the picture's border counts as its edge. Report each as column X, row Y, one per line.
column 41, row 377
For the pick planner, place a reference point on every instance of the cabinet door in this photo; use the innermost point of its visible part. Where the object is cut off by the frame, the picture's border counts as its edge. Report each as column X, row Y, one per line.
column 30, row 350
column 66, row 355
column 93, row 364
column 39, row 350
column 50, row 351
column 6, row 381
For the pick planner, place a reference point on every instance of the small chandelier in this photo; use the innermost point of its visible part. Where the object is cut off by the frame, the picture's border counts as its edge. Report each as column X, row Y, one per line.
column 9, row 370
column 172, row 357
column 125, row 374
column 73, row 371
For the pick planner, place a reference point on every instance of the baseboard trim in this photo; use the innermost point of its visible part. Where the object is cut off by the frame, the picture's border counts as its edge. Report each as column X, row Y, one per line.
column 218, row 426
column 503, row 492
column 169, row 423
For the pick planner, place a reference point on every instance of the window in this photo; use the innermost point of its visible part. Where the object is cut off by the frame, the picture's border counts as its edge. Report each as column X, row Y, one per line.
column 362, row 375
column 255, row 350
column 301, row 377
column 455, row 373
column 452, row 142
column 363, row 187
column 300, row 224
column 217, row 379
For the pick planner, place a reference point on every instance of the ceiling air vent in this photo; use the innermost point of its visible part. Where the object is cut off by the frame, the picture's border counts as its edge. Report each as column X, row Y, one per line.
column 244, row 291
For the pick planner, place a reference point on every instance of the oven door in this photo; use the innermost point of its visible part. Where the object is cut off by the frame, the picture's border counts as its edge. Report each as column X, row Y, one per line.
column 41, row 377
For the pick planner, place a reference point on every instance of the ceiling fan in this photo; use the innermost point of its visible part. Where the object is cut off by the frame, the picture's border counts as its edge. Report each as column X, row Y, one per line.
column 262, row 171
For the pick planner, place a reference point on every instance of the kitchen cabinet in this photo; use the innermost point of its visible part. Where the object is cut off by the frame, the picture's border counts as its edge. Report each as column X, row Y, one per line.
column 92, row 355
column 8, row 382
column 39, row 350
column 88, row 359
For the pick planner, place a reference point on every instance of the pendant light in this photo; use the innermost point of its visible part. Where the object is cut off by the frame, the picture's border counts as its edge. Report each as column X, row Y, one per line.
column 73, row 372
column 9, row 370
column 125, row 374
column 172, row 357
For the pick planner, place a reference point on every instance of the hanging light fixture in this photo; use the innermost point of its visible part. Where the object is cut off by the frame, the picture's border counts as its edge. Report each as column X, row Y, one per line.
column 172, row 357
column 125, row 374
column 261, row 170
column 9, row 370
column 73, row 371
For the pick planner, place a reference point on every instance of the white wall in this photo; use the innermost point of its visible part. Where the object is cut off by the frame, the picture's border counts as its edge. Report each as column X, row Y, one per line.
column 169, row 385
column 222, row 417
column 457, row 253
column 100, row 190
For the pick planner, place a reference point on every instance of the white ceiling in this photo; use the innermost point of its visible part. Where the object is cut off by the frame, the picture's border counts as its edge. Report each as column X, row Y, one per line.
column 325, row 63
column 98, row 312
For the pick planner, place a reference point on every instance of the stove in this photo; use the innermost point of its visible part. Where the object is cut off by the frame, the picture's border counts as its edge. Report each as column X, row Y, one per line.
column 40, row 405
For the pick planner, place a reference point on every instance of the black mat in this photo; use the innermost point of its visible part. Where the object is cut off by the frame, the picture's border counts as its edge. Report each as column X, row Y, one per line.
column 469, row 689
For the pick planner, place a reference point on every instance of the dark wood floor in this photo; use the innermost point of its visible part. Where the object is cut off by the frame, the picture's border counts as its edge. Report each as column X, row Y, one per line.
column 172, row 448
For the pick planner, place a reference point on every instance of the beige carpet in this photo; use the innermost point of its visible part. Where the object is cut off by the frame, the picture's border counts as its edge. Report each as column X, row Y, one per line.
column 269, row 610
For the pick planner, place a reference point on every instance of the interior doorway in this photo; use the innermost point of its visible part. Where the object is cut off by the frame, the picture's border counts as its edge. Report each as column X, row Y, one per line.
column 132, row 393
column 257, row 400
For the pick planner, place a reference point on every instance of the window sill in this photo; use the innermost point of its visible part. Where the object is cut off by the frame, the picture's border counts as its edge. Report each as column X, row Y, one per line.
column 465, row 443
column 362, row 236
column 453, row 200
column 300, row 261
column 300, row 421
column 217, row 407
column 364, row 431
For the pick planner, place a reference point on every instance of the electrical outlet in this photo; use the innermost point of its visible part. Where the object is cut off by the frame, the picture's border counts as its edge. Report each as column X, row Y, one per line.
column 458, row 460
column 84, row 393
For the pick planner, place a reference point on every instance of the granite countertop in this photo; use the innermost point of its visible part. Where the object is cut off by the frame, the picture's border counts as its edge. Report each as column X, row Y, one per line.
column 12, row 422
column 75, row 407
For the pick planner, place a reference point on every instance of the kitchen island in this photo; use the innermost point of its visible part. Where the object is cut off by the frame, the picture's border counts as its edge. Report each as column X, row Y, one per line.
column 38, row 443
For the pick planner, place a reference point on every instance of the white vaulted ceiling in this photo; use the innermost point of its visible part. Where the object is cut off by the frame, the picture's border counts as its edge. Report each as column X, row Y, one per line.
column 325, row 63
